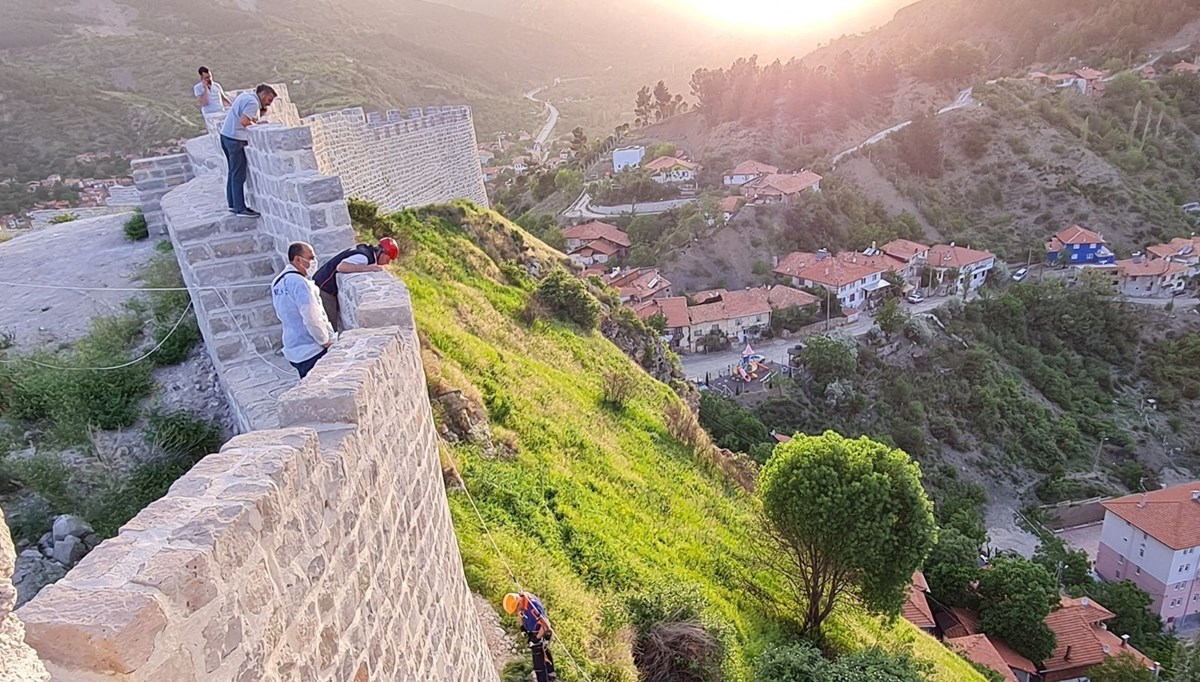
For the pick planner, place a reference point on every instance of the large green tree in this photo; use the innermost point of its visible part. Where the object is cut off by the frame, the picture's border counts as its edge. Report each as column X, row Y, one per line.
column 1131, row 604
column 1015, row 596
column 848, row 518
column 953, row 567
column 829, row 359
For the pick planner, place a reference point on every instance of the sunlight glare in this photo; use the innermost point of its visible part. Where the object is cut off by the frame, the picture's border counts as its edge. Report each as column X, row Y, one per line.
column 776, row 15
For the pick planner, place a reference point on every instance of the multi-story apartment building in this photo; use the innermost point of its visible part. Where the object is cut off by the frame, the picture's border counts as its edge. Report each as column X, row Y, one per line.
column 1153, row 539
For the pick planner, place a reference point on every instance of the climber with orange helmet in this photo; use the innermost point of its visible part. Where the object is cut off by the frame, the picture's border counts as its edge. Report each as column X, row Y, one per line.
column 361, row 258
column 536, row 627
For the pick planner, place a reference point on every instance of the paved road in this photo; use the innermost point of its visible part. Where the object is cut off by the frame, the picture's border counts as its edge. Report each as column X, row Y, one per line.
column 775, row 350
column 961, row 101
column 582, row 208
column 551, row 116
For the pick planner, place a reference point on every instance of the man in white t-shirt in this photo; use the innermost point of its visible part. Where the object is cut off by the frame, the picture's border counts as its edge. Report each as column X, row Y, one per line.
column 210, row 95
column 247, row 110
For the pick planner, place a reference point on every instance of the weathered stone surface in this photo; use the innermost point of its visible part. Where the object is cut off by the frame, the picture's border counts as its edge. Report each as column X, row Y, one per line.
column 33, row 572
column 66, row 524
column 102, row 630
column 69, row 550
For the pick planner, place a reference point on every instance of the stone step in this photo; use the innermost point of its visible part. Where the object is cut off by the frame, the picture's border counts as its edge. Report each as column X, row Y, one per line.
column 249, row 319
column 233, row 345
column 239, row 270
column 225, row 247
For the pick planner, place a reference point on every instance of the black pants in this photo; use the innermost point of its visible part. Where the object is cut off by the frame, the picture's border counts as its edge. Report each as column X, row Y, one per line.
column 305, row 367
column 543, row 662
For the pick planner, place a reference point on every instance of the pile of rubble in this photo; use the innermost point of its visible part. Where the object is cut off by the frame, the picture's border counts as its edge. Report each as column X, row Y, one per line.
column 69, row 540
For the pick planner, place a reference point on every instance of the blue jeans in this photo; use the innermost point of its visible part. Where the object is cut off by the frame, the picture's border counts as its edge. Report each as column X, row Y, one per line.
column 235, row 190
column 305, row 367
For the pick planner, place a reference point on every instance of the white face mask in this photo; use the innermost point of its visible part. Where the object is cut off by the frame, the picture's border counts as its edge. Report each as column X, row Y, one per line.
column 313, row 266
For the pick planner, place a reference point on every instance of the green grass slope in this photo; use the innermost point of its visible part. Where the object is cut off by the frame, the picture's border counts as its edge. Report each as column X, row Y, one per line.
column 586, row 503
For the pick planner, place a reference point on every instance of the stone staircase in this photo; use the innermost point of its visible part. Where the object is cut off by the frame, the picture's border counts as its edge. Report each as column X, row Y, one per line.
column 223, row 254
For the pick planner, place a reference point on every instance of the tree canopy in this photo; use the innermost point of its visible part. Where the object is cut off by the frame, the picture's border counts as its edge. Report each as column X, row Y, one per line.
column 847, row 517
column 1015, row 596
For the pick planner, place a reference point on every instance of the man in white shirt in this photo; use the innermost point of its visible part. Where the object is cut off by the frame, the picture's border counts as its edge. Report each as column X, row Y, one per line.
column 307, row 334
column 246, row 110
column 209, row 94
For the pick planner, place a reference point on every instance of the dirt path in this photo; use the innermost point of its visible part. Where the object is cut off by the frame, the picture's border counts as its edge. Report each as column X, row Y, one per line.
column 864, row 174
column 90, row 253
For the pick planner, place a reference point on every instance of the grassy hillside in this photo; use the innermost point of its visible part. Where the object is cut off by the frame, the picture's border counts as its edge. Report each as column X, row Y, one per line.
column 587, row 503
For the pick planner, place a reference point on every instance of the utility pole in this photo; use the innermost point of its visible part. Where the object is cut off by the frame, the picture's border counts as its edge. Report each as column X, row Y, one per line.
column 1096, row 462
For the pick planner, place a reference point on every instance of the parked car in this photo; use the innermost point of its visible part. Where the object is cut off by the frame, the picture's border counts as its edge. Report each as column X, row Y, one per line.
column 1020, row 274
column 1192, row 207
column 914, row 298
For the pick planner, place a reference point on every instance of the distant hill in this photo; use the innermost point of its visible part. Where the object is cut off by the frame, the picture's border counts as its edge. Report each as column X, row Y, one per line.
column 108, row 75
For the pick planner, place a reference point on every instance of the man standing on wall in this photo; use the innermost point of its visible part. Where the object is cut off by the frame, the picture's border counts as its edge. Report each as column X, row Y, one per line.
column 536, row 627
column 209, row 94
column 362, row 258
column 307, row 334
column 245, row 111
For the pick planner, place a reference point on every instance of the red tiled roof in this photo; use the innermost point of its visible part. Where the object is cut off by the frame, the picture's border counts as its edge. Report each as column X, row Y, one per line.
column 639, row 283
column 663, row 163
column 780, row 297
column 730, row 204
column 601, row 245
column 1090, row 74
column 943, row 256
column 1077, row 631
column 675, row 309
column 903, row 249
column 597, row 230
column 1176, row 247
column 778, row 183
column 1186, row 66
column 794, row 262
column 979, row 648
column 753, row 168
column 837, row 272
column 958, row 622
column 1169, row 515
column 876, row 260
column 780, row 438
column 1078, row 235
column 916, row 607
column 1150, row 268
column 746, row 302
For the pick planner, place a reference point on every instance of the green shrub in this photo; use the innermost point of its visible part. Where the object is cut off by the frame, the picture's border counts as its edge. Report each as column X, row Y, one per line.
column 64, row 218
column 183, row 434
column 136, row 228
column 568, row 298
column 167, row 307
column 800, row 662
column 118, row 500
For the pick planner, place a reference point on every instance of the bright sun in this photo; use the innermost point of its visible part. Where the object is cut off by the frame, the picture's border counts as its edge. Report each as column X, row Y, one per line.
column 777, row 15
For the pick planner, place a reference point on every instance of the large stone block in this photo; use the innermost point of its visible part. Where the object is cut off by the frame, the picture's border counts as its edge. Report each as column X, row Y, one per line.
column 97, row 630
column 319, row 189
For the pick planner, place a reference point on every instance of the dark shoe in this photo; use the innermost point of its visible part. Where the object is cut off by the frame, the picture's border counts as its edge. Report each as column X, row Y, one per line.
column 249, row 213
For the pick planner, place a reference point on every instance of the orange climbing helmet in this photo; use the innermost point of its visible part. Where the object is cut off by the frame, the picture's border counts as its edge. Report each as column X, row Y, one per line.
column 512, row 602
column 389, row 247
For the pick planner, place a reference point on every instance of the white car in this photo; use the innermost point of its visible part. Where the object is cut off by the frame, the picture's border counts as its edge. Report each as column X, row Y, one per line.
column 1192, row 207
column 914, row 298
column 1020, row 274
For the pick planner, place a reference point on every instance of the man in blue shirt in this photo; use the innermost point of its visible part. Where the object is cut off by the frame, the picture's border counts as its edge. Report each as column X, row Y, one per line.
column 536, row 627
column 307, row 334
column 245, row 111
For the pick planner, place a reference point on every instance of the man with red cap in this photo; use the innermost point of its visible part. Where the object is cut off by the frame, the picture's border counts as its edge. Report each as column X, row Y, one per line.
column 361, row 258
column 536, row 627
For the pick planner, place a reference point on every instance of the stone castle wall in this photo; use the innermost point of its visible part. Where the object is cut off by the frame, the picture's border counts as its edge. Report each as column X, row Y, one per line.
column 399, row 159
column 318, row 544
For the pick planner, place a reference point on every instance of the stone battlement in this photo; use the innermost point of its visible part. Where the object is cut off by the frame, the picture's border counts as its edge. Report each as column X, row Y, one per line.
column 318, row 544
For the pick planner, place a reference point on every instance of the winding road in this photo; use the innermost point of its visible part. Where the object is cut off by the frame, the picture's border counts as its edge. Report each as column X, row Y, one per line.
column 551, row 115
column 961, row 101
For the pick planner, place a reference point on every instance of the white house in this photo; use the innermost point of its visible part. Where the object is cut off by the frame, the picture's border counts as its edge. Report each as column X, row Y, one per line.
column 746, row 171
column 972, row 266
column 627, row 157
column 851, row 277
column 670, row 170
column 1142, row 278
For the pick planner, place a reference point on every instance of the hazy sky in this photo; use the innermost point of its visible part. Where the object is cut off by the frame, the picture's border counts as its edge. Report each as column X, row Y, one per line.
column 777, row 15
